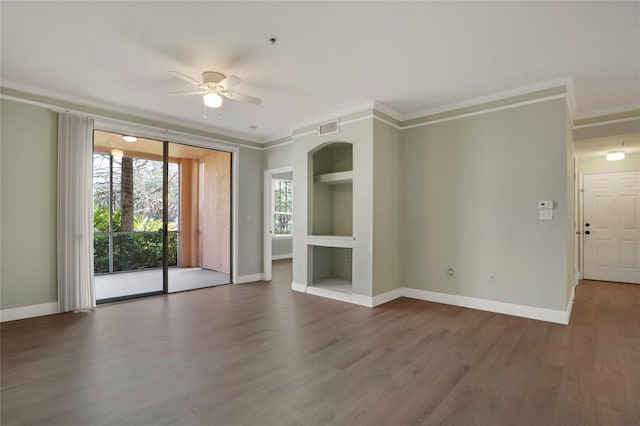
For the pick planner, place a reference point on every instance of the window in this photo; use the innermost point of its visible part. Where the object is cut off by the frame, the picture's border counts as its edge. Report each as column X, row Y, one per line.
column 282, row 202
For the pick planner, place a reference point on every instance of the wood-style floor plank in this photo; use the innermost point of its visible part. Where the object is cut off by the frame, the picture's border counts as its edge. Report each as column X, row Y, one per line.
column 260, row 354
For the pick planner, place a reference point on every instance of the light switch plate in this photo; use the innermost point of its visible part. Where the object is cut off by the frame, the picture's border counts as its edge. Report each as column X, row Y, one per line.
column 545, row 214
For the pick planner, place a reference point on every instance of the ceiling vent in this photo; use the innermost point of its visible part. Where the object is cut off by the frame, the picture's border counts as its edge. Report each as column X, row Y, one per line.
column 328, row 128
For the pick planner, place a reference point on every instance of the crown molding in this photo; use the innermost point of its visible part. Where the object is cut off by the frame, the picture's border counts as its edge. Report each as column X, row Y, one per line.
column 379, row 106
column 119, row 109
column 607, row 111
column 498, row 96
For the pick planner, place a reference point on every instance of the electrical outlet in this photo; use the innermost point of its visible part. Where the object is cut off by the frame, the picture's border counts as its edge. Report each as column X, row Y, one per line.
column 451, row 272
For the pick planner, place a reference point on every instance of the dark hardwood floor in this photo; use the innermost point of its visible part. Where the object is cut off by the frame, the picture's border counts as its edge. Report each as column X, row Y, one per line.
column 260, row 354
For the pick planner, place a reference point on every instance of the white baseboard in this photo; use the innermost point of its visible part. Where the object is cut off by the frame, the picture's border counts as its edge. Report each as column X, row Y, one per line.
column 355, row 299
column 243, row 279
column 386, row 297
column 532, row 312
column 282, row 256
column 298, row 287
column 29, row 311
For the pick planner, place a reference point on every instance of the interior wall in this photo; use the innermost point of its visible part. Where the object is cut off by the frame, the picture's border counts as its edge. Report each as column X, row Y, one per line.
column 387, row 208
column 600, row 164
column 250, row 212
column 470, row 203
column 28, row 182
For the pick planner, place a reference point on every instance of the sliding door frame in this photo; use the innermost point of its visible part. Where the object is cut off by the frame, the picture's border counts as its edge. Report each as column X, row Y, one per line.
column 161, row 135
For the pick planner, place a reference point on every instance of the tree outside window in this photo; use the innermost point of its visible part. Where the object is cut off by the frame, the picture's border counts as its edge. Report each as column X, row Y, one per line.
column 282, row 206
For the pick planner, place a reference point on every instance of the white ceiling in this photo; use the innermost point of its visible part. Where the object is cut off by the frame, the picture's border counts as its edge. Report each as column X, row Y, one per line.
column 329, row 55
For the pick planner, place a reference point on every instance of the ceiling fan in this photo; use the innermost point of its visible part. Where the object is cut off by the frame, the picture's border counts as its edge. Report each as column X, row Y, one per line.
column 213, row 87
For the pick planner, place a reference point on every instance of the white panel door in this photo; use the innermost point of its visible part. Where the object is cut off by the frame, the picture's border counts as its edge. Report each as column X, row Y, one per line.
column 612, row 227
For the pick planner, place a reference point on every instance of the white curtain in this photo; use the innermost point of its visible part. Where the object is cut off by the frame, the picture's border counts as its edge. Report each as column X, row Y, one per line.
column 75, row 213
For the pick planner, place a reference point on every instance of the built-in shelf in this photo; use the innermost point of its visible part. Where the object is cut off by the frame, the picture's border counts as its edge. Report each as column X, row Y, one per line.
column 330, row 240
column 337, row 178
column 334, row 284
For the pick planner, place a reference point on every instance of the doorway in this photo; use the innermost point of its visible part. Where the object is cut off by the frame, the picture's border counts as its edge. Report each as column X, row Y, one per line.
column 611, row 227
column 148, row 199
column 278, row 217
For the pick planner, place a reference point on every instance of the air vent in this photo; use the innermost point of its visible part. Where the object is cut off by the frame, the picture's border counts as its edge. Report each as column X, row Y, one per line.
column 328, row 128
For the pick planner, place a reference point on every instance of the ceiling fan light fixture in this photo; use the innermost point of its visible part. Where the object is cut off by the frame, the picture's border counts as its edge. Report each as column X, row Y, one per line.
column 615, row 155
column 129, row 138
column 212, row 100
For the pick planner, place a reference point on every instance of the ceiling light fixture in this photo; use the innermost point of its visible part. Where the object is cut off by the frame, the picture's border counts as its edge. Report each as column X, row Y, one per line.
column 117, row 153
column 616, row 155
column 212, row 100
column 129, row 138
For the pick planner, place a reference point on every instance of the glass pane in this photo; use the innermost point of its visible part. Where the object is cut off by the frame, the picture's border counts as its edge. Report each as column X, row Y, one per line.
column 199, row 207
column 127, row 217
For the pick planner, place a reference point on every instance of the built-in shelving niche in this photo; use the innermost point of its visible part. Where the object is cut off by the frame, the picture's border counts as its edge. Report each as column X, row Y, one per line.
column 330, row 218
column 330, row 268
column 331, row 190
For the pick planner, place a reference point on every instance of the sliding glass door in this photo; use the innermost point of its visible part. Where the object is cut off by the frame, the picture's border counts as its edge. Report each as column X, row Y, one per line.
column 204, row 203
column 147, row 217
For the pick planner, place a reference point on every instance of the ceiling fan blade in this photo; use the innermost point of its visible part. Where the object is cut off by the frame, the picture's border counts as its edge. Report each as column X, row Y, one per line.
column 229, row 82
column 186, row 78
column 200, row 92
column 240, row 97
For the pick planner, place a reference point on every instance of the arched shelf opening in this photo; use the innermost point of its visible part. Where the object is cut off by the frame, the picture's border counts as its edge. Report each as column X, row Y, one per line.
column 330, row 192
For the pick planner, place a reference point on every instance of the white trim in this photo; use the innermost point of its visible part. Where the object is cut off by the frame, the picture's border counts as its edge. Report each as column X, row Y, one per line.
column 290, row 141
column 113, row 108
column 602, row 123
column 243, row 279
column 379, row 106
column 282, row 237
column 388, row 123
column 550, row 84
column 235, row 184
column 608, row 111
column 301, row 287
column 486, row 111
column 532, row 312
column 282, row 256
column 22, row 312
column 355, row 299
column 386, row 297
column 366, row 106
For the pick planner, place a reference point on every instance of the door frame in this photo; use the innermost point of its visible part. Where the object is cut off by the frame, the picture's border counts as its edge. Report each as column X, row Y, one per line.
column 159, row 134
column 268, row 213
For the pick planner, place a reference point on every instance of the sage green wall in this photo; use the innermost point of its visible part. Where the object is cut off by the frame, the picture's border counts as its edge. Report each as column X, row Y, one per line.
column 387, row 208
column 280, row 156
column 470, row 203
column 28, row 180
column 250, row 216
